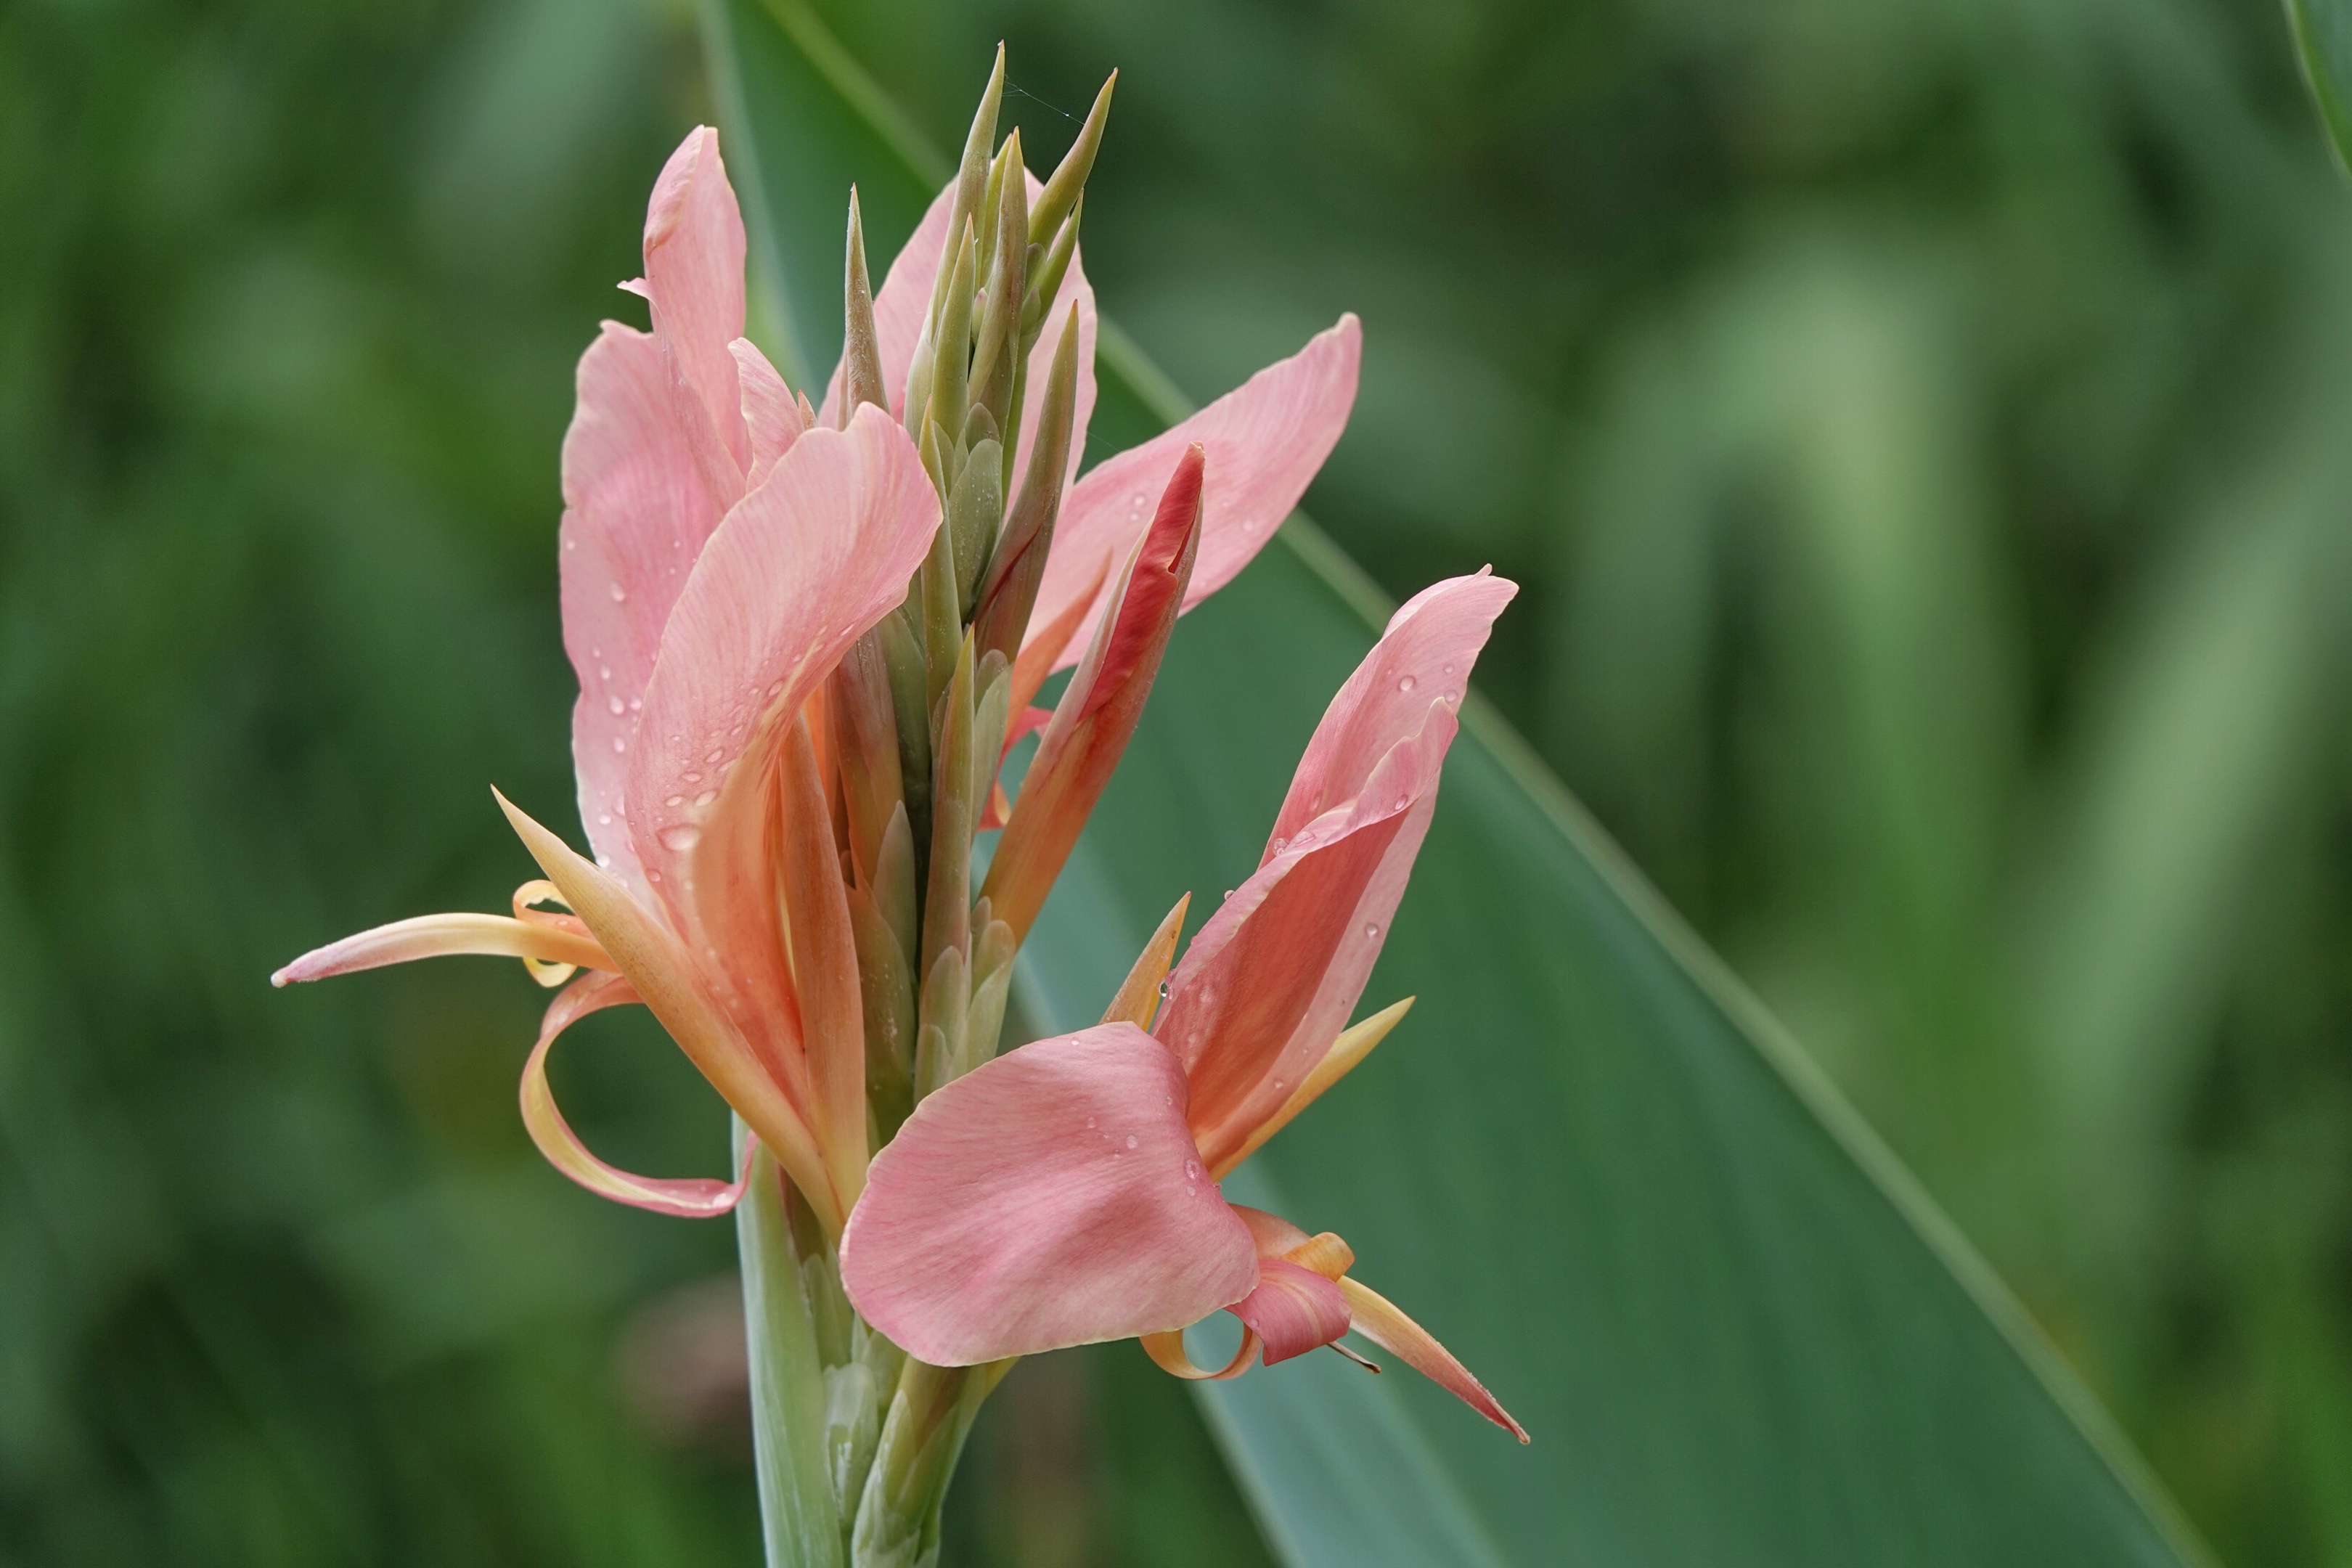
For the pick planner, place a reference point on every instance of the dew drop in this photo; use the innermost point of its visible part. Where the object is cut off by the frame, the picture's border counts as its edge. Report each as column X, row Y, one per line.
column 716, row 753
column 1130, row 1140
column 603, row 819
column 1372, row 933
column 691, row 777
column 571, row 544
column 681, row 837
column 1449, row 669
column 1192, row 1170
column 619, row 745
column 620, row 595
column 675, row 800
column 637, row 704
column 616, row 706
column 706, row 797
column 1407, row 684
column 1163, row 991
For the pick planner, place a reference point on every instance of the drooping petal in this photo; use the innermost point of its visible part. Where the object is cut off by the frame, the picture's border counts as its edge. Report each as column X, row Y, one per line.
column 679, row 992
column 1425, row 655
column 1265, row 439
column 694, row 277
column 906, row 295
column 772, row 417
column 1166, row 1349
column 637, row 512
column 1050, row 1197
column 443, row 936
column 689, row 1197
column 1376, row 1318
column 796, row 574
column 1273, row 974
column 1293, row 1309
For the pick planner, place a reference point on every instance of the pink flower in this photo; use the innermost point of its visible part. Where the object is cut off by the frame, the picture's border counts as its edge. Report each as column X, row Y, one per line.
column 722, row 549
column 1066, row 1193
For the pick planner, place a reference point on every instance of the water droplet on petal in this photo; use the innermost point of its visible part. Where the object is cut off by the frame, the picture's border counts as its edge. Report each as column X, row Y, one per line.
column 1192, row 1170
column 1130, row 1140
column 675, row 800
column 620, row 595
column 691, row 777
column 1407, row 684
column 680, row 837
column 603, row 819
column 1373, row 932
column 619, row 745
column 637, row 703
column 1163, row 991
column 571, row 544
column 1449, row 669
column 706, row 797
column 616, row 706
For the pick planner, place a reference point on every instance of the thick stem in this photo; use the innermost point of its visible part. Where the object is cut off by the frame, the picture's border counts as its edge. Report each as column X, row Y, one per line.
column 803, row 1523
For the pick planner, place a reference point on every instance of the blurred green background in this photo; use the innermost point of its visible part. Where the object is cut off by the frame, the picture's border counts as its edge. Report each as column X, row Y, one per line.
column 1924, row 429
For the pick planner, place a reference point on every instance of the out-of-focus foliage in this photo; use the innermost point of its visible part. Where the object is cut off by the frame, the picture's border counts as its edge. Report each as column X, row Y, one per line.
column 1922, row 426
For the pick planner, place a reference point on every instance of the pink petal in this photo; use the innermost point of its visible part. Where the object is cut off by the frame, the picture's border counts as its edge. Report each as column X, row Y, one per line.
column 694, row 276
column 795, row 575
column 1051, row 1197
column 1272, row 978
column 771, row 415
column 693, row 1197
column 906, row 295
column 442, row 936
column 638, row 511
column 1424, row 657
column 1376, row 1318
column 1265, row 439
column 1293, row 1309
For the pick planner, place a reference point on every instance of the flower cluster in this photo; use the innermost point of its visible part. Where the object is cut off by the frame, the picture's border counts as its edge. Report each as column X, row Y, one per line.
column 807, row 636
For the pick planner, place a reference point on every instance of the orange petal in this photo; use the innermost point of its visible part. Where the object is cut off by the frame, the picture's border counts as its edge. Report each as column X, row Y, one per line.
column 1168, row 1350
column 1376, row 1319
column 442, row 936
column 665, row 977
column 689, row 1197
column 1139, row 995
column 825, row 968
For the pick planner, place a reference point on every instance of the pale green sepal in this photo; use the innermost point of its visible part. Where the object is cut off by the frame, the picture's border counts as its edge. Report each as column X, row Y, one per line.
column 801, row 1519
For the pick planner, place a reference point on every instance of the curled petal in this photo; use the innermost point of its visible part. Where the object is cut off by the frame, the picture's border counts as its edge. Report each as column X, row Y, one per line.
column 1265, row 439
column 1050, row 1197
column 1167, row 1351
column 689, row 1197
column 1293, row 1309
column 443, row 936
column 676, row 990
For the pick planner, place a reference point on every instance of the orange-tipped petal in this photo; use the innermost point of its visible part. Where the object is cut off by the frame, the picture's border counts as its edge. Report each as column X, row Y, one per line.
column 1139, row 993
column 444, row 936
column 689, row 1197
column 667, row 978
column 1376, row 1318
column 825, row 968
column 1265, row 439
column 1049, row 1197
column 906, row 296
column 1100, row 709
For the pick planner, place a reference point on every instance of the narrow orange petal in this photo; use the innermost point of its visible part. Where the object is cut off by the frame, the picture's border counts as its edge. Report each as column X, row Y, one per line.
column 443, row 936
column 664, row 977
column 1352, row 1046
column 1376, row 1318
column 689, row 1197
column 1168, row 1350
column 824, row 967
column 1139, row 995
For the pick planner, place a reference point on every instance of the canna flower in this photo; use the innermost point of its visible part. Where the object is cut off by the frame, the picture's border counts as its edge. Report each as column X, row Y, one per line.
column 720, row 554
column 1067, row 1192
